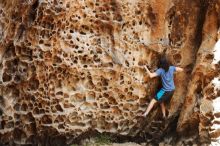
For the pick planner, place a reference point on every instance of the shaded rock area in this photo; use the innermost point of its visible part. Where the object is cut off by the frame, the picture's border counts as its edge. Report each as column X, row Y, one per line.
column 70, row 69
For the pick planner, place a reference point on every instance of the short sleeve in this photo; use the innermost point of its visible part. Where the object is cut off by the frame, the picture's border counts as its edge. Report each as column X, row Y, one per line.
column 158, row 71
column 173, row 68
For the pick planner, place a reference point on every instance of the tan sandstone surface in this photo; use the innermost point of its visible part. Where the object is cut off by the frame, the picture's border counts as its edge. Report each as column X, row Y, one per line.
column 70, row 67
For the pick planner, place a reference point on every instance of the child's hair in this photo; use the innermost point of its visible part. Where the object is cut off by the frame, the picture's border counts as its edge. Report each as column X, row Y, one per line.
column 164, row 63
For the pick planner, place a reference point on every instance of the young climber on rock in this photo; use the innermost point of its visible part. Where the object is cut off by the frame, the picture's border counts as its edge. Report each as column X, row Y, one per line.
column 166, row 72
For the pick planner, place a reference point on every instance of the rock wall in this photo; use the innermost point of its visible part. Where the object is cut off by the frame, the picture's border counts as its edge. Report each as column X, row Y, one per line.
column 71, row 67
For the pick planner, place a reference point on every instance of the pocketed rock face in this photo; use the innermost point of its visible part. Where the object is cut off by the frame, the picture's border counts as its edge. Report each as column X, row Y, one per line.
column 71, row 67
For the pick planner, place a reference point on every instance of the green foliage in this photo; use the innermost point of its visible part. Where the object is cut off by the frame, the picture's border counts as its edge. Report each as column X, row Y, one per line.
column 98, row 140
column 102, row 139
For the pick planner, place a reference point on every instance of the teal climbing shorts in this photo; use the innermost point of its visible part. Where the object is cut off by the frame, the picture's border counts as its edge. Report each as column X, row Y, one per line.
column 163, row 95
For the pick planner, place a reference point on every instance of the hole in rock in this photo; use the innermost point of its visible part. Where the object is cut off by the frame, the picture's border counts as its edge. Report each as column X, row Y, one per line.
column 127, row 63
column 61, row 126
column 6, row 77
column 71, row 31
column 24, row 107
column 177, row 58
column 59, row 108
column 10, row 51
column 17, row 107
column 104, row 106
column 112, row 100
column 46, row 119
column 209, row 57
column 33, row 84
column 57, row 60
column 18, row 134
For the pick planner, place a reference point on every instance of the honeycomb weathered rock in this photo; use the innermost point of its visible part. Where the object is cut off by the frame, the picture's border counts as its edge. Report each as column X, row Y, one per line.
column 70, row 67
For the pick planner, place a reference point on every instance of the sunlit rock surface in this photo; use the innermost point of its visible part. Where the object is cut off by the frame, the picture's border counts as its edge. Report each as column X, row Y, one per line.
column 72, row 67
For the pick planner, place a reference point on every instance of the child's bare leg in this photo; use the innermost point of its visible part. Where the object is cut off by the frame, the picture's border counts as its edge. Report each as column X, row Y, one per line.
column 150, row 106
column 163, row 109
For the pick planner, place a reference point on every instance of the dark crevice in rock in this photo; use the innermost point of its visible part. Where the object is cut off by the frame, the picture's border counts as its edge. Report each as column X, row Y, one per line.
column 204, row 4
column 20, row 31
column 116, row 138
column 33, row 12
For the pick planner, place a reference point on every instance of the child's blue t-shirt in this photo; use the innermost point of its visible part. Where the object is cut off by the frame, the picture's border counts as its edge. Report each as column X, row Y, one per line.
column 167, row 78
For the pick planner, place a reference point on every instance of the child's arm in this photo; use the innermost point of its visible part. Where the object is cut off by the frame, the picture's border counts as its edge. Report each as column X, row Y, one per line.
column 179, row 69
column 152, row 75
